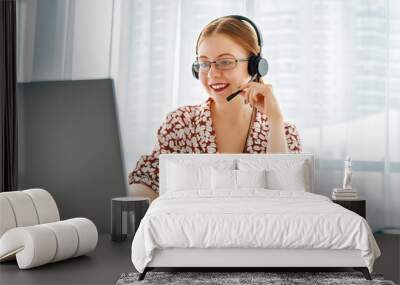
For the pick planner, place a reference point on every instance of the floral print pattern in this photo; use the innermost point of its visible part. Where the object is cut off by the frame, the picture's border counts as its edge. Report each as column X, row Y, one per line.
column 189, row 129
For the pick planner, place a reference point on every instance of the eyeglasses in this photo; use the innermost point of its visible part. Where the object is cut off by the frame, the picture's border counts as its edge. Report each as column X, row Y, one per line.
column 220, row 64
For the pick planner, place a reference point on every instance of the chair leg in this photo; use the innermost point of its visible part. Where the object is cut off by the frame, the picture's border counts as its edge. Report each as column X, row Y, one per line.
column 364, row 271
column 143, row 274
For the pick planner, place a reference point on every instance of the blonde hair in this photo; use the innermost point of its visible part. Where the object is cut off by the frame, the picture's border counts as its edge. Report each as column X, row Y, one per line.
column 238, row 31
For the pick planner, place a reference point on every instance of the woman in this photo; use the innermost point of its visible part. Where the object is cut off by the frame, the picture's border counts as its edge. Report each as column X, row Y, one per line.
column 250, row 123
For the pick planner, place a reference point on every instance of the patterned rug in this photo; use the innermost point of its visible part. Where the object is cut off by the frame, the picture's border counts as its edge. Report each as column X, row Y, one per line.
column 229, row 278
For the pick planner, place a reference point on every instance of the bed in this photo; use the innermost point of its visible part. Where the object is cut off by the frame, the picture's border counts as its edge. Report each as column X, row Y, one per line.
column 247, row 211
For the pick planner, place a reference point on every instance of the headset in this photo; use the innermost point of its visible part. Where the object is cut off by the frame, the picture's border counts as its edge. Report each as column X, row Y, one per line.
column 257, row 66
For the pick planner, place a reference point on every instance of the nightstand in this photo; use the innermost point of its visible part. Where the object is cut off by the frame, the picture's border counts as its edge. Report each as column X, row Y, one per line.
column 126, row 214
column 358, row 206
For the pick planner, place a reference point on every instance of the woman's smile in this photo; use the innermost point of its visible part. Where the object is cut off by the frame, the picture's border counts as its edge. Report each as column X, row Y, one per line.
column 219, row 88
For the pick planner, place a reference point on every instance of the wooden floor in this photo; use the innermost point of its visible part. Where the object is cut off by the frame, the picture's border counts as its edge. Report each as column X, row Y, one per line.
column 102, row 266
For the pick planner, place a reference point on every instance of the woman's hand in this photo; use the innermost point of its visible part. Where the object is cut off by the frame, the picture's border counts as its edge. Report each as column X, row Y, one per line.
column 261, row 96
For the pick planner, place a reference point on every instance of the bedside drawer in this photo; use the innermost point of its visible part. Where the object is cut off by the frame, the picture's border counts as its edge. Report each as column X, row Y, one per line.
column 357, row 206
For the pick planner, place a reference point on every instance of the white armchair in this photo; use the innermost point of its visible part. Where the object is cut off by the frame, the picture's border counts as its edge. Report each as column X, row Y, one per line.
column 31, row 230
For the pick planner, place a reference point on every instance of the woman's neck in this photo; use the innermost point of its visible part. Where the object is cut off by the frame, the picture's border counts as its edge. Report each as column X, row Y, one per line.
column 233, row 112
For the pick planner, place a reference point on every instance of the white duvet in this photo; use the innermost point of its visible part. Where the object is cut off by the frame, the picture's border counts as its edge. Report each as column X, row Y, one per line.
column 251, row 218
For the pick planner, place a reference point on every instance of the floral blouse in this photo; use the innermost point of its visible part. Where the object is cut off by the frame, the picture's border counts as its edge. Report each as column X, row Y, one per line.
column 189, row 129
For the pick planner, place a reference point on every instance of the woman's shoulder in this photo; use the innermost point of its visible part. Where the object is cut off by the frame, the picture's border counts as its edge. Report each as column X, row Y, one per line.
column 183, row 121
column 187, row 113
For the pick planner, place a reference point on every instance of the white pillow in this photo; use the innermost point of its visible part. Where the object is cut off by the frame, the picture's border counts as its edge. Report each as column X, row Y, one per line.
column 191, row 173
column 223, row 179
column 251, row 178
column 182, row 177
column 282, row 173
column 229, row 179
column 293, row 178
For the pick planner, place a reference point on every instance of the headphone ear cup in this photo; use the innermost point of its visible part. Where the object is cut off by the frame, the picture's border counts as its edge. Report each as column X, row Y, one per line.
column 262, row 66
column 253, row 64
column 257, row 65
column 195, row 72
